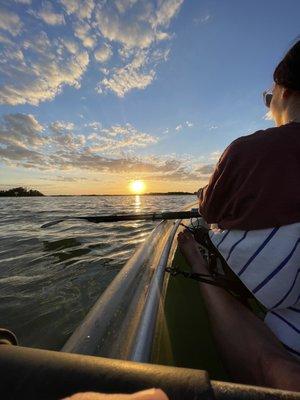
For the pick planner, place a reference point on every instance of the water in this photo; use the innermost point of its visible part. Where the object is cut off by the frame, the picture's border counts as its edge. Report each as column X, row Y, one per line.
column 50, row 278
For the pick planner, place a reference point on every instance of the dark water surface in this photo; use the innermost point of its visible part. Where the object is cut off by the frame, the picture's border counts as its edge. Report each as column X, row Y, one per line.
column 50, row 278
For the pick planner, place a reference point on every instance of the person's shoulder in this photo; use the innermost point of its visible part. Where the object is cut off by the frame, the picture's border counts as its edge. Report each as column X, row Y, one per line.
column 258, row 136
column 258, row 139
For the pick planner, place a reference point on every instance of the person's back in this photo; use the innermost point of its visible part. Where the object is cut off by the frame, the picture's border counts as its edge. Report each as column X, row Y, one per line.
column 254, row 197
column 255, row 185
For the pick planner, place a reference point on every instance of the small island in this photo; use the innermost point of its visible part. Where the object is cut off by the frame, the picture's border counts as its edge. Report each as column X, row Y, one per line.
column 20, row 192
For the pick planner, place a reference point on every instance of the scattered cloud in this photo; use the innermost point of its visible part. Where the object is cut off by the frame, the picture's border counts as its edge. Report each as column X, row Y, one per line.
column 203, row 19
column 96, row 126
column 44, row 77
column 206, row 169
column 48, row 15
column 4, row 39
column 83, row 32
column 103, row 53
column 166, row 11
column 23, row 1
column 37, row 66
column 124, row 5
column 22, row 130
column 10, row 22
column 82, row 8
column 134, row 75
column 213, row 127
column 61, row 126
column 61, row 146
column 215, row 155
column 186, row 124
column 70, row 45
column 130, row 32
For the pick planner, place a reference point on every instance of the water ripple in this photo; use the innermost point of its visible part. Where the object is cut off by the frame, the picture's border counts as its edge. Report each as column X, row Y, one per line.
column 49, row 278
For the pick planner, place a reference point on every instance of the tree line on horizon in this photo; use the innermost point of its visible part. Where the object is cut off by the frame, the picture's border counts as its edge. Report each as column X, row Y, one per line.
column 20, row 192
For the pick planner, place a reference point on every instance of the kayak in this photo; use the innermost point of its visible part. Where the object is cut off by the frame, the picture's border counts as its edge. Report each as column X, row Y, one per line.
column 142, row 332
column 146, row 315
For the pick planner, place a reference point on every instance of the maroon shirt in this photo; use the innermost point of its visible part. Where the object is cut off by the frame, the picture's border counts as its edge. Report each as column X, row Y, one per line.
column 256, row 183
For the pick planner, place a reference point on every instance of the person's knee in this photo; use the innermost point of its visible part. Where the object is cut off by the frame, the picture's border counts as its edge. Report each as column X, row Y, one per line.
column 278, row 368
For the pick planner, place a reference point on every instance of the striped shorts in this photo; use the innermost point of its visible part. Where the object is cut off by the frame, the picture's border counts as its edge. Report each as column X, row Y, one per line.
column 268, row 262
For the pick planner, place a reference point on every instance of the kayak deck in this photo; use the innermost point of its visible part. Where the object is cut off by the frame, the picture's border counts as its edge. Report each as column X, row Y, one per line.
column 183, row 335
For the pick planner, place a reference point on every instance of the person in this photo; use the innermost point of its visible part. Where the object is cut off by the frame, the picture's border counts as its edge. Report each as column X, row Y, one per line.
column 249, row 350
column 254, row 198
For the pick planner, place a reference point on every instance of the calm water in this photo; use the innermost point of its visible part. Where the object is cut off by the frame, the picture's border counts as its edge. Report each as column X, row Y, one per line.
column 49, row 278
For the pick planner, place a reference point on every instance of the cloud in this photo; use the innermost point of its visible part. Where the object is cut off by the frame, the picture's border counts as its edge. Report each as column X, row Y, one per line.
column 22, row 130
column 134, row 75
column 115, row 139
column 61, row 126
column 206, row 169
column 215, row 155
column 23, row 1
column 62, row 146
column 70, row 45
column 44, row 77
column 37, row 66
column 10, row 22
column 166, row 11
column 96, row 126
column 142, row 25
column 82, row 8
column 131, row 33
column 4, row 39
column 48, row 15
column 126, row 79
column 187, row 124
column 203, row 19
column 103, row 53
column 139, row 35
column 124, row 5
column 83, row 32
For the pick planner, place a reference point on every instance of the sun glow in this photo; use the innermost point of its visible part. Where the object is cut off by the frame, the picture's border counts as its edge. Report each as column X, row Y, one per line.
column 137, row 187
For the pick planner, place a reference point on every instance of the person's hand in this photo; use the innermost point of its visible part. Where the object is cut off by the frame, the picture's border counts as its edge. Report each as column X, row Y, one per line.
column 149, row 394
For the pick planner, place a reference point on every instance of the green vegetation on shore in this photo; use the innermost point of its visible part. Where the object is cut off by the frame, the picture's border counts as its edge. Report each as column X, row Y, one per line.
column 20, row 192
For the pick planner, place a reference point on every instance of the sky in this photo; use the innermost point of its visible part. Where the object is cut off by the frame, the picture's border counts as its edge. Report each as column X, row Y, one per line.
column 97, row 94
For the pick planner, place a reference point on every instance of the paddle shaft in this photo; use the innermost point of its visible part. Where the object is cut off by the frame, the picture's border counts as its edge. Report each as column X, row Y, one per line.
column 132, row 217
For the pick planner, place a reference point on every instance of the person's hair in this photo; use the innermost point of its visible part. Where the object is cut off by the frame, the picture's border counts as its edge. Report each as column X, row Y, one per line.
column 287, row 72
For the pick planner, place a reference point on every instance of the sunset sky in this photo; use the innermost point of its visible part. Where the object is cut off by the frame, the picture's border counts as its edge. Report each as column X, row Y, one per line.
column 97, row 94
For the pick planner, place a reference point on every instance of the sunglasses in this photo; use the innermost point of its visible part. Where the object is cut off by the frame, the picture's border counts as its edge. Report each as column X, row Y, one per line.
column 267, row 96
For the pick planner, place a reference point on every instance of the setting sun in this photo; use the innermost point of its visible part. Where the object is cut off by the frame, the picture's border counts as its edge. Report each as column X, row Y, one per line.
column 137, row 186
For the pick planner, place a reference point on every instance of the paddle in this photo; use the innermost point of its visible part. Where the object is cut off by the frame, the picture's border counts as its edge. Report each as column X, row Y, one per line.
column 131, row 217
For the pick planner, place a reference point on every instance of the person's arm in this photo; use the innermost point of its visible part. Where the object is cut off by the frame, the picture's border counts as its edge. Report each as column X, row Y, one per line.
column 149, row 394
column 215, row 197
column 248, row 348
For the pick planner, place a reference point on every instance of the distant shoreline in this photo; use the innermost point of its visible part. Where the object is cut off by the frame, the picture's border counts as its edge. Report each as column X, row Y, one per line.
column 129, row 194
column 25, row 192
column 108, row 195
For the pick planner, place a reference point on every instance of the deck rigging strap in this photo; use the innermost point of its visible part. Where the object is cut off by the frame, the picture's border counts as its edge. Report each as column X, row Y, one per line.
column 225, row 278
column 205, row 278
